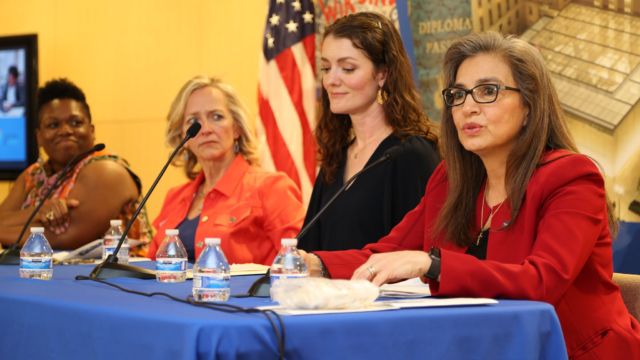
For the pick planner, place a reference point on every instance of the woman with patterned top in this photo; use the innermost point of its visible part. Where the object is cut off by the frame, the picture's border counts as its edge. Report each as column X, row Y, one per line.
column 97, row 188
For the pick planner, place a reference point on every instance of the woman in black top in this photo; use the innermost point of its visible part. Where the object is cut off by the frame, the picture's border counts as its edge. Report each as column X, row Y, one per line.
column 369, row 104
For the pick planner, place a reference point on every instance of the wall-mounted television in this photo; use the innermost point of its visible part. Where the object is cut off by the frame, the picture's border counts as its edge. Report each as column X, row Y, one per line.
column 18, row 86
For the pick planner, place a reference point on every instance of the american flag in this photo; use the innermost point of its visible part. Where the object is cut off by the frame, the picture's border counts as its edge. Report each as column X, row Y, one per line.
column 287, row 92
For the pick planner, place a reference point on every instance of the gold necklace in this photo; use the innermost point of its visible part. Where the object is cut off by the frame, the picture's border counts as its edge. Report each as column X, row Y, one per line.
column 355, row 155
column 485, row 227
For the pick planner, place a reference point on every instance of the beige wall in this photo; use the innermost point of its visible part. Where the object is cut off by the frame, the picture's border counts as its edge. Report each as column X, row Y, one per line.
column 131, row 58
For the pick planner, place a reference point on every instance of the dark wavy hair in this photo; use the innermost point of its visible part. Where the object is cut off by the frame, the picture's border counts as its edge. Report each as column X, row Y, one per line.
column 60, row 89
column 379, row 40
column 546, row 129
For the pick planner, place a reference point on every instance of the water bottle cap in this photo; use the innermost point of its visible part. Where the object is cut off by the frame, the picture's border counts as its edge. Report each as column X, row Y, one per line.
column 172, row 232
column 289, row 242
column 116, row 222
column 37, row 230
column 212, row 241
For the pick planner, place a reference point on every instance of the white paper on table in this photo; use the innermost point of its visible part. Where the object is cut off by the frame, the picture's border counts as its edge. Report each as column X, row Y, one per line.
column 412, row 288
column 241, row 269
column 91, row 250
column 433, row 302
column 377, row 306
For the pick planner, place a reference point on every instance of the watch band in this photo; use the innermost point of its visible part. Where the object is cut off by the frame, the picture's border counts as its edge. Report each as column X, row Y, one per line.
column 434, row 270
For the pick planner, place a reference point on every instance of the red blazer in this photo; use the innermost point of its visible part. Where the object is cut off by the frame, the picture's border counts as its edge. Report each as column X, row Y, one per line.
column 557, row 251
column 250, row 209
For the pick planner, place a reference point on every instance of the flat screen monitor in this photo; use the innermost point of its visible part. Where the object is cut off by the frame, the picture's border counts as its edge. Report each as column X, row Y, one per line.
column 18, row 85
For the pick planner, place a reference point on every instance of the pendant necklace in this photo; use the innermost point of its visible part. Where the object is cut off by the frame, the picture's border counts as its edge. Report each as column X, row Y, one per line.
column 488, row 222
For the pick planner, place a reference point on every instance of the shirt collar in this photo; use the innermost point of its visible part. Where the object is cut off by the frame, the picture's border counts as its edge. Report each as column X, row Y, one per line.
column 227, row 183
column 232, row 176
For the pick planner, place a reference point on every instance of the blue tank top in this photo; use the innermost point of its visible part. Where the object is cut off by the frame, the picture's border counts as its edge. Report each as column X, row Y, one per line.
column 187, row 230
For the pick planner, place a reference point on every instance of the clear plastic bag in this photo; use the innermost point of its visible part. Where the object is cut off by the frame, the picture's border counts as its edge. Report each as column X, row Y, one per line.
column 319, row 293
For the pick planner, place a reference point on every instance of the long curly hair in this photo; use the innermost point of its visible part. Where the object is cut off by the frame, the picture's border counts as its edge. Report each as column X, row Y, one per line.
column 379, row 40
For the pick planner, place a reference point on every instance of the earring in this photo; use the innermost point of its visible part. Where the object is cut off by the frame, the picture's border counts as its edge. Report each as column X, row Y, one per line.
column 382, row 96
column 185, row 155
column 40, row 159
column 236, row 147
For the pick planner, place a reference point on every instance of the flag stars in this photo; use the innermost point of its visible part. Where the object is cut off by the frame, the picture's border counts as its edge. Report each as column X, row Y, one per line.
column 308, row 17
column 270, row 41
column 292, row 26
column 275, row 20
column 296, row 5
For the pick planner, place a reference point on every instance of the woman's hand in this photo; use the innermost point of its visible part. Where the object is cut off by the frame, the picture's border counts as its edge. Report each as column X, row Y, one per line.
column 314, row 266
column 54, row 214
column 388, row 267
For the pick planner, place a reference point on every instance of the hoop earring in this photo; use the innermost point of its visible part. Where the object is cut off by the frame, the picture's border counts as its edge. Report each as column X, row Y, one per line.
column 382, row 96
column 236, row 147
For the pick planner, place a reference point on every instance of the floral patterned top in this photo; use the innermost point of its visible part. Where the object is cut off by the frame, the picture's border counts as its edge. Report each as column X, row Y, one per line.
column 39, row 177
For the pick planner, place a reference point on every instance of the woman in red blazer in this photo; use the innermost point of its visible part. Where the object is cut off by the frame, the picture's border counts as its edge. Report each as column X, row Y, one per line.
column 515, row 213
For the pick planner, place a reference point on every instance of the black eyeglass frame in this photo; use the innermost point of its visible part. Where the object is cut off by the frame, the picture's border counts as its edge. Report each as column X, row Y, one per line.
column 470, row 91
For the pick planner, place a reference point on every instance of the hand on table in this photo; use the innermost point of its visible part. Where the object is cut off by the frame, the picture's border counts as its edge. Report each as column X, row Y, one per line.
column 388, row 267
column 314, row 266
column 54, row 214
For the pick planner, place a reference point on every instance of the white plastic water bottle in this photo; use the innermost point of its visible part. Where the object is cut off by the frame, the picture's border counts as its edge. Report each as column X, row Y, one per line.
column 211, row 273
column 36, row 257
column 288, row 263
column 171, row 259
column 110, row 242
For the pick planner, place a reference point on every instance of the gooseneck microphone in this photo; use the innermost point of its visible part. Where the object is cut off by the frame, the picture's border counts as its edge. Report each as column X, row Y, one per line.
column 110, row 268
column 389, row 155
column 261, row 287
column 11, row 256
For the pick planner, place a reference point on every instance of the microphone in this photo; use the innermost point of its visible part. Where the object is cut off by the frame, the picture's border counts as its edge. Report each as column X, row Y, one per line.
column 11, row 256
column 110, row 268
column 262, row 286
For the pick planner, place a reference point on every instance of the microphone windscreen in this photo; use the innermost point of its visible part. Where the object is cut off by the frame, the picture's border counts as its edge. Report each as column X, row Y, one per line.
column 393, row 153
column 193, row 130
column 98, row 147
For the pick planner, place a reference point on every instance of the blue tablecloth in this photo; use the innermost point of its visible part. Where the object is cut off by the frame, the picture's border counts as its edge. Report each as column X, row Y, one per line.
column 69, row 319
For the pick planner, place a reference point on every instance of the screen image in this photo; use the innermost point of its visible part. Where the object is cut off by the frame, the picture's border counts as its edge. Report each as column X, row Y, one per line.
column 13, row 101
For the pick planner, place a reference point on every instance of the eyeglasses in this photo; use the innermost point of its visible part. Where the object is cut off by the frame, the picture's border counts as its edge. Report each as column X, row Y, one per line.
column 482, row 94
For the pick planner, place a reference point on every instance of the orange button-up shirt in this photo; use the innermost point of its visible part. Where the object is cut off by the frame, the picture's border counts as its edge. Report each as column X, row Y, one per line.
column 249, row 209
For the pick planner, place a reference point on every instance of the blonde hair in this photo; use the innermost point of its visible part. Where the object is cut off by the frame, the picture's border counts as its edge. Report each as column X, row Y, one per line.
column 247, row 140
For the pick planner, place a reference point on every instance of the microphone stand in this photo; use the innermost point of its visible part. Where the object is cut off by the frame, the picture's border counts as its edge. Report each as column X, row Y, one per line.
column 262, row 286
column 11, row 256
column 110, row 268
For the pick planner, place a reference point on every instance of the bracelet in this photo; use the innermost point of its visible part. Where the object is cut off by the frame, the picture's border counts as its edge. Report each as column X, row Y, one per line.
column 321, row 264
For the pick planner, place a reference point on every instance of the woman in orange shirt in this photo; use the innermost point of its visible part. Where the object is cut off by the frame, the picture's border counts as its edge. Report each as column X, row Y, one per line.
column 228, row 197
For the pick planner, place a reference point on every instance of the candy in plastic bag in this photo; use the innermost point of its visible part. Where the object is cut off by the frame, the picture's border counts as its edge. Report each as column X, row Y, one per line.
column 320, row 293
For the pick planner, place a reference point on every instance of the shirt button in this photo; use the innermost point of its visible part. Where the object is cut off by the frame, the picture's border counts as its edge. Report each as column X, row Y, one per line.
column 204, row 219
column 232, row 220
column 199, row 244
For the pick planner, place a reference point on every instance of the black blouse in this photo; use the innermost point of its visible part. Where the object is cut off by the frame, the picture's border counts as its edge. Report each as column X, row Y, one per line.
column 375, row 202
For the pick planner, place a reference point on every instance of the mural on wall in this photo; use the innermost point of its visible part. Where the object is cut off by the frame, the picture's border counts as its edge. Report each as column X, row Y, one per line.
column 592, row 49
column 435, row 25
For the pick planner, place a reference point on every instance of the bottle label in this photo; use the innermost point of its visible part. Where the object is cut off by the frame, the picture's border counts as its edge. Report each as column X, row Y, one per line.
column 211, row 281
column 108, row 250
column 287, row 276
column 171, row 264
column 36, row 263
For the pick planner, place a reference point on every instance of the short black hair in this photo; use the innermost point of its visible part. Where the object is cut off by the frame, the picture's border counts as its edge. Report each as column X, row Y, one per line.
column 60, row 89
column 14, row 71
